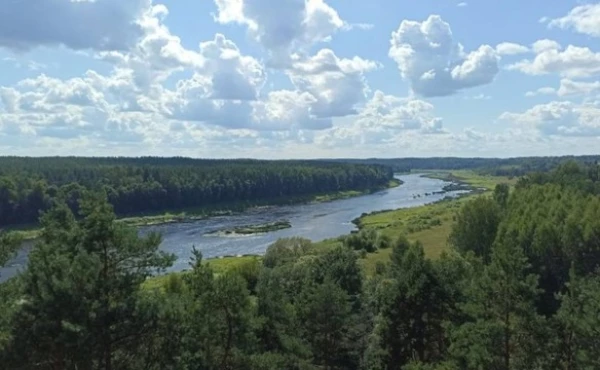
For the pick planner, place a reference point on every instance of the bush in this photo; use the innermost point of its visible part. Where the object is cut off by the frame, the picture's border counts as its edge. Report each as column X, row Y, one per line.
column 249, row 271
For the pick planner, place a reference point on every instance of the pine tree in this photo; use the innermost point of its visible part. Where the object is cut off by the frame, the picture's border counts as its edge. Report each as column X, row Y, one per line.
column 219, row 320
column 83, row 305
column 411, row 310
column 579, row 324
column 327, row 320
column 502, row 332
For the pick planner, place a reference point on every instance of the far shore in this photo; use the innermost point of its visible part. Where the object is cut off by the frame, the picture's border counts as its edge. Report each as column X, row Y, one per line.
column 191, row 215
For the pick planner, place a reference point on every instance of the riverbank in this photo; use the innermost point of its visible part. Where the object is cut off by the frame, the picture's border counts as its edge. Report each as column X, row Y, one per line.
column 430, row 224
column 30, row 232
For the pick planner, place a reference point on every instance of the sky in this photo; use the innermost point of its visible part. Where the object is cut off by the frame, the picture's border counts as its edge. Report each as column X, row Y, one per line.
column 299, row 78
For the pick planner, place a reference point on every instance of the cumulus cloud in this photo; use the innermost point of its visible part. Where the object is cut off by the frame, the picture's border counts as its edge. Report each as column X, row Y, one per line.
column 233, row 76
column 383, row 120
column 583, row 19
column 67, row 109
column 279, row 110
column 560, row 118
column 97, row 25
column 337, row 84
column 570, row 87
column 282, row 25
column 396, row 113
column 510, row 48
column 572, row 62
column 157, row 54
column 435, row 65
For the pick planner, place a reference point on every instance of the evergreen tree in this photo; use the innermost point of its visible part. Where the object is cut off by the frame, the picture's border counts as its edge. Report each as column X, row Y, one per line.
column 501, row 193
column 503, row 329
column 219, row 321
column 476, row 227
column 326, row 315
column 82, row 306
column 411, row 311
column 578, row 321
column 278, row 325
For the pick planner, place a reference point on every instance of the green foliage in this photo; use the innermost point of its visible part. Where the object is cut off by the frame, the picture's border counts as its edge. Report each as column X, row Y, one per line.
column 496, row 166
column 249, row 270
column 501, row 312
column 578, row 322
column 81, row 303
column 520, row 291
column 555, row 227
column 9, row 242
column 410, row 306
column 476, row 227
column 286, row 250
column 150, row 185
column 326, row 315
column 366, row 240
column 501, row 193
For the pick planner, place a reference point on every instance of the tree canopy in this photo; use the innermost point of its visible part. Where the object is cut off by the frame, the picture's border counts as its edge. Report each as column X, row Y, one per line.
column 518, row 290
column 149, row 184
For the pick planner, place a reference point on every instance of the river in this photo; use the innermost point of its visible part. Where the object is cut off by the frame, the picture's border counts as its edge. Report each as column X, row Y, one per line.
column 316, row 221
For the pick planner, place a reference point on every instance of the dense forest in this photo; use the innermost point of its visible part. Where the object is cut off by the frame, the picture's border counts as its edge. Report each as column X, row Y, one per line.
column 519, row 289
column 518, row 166
column 151, row 184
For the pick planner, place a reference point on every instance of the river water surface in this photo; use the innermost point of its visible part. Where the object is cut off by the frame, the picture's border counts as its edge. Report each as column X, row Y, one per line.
column 316, row 221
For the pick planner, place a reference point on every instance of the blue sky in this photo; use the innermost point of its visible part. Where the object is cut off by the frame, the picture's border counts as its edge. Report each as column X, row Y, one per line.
column 299, row 78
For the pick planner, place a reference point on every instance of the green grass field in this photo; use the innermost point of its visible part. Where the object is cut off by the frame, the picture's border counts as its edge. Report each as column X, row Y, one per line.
column 430, row 224
column 218, row 265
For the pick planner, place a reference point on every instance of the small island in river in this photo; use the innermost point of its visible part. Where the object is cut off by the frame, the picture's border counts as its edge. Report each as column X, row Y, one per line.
column 254, row 229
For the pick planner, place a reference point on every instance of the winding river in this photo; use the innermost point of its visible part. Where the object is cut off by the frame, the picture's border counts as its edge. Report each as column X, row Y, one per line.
column 315, row 221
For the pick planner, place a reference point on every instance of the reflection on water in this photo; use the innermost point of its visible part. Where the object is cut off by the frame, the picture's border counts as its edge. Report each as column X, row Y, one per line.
column 313, row 221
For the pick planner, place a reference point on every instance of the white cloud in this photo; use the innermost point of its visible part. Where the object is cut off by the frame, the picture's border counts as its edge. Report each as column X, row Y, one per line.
column 338, row 84
column 73, row 108
column 480, row 97
column 282, row 25
column 510, row 48
column 583, row 19
column 560, row 118
column 572, row 62
column 544, row 45
column 541, row 91
column 233, row 76
column 383, row 120
column 570, row 87
column 157, row 54
column 97, row 25
column 462, row 4
column 285, row 110
column 399, row 114
column 157, row 95
column 279, row 110
column 435, row 65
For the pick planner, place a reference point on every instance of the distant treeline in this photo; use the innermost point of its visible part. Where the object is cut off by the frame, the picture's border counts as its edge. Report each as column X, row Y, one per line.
column 495, row 166
column 149, row 184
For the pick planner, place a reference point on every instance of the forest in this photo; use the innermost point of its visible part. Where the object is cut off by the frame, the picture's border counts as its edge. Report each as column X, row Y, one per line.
column 519, row 289
column 517, row 166
column 151, row 184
